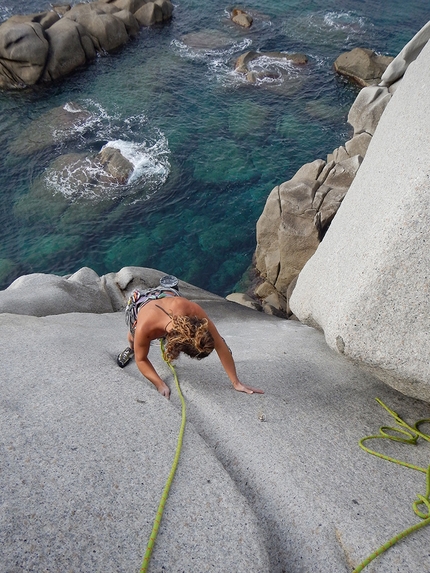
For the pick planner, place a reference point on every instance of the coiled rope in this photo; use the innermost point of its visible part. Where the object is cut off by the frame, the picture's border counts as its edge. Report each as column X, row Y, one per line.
column 405, row 434
column 166, row 489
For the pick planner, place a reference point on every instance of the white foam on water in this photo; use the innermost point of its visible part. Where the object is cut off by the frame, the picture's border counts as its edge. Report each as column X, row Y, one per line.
column 206, row 54
column 150, row 162
column 328, row 26
column 145, row 147
column 344, row 21
column 72, row 108
column 278, row 71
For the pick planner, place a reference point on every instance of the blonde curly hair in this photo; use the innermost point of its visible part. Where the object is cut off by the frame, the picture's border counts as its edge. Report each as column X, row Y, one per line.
column 191, row 335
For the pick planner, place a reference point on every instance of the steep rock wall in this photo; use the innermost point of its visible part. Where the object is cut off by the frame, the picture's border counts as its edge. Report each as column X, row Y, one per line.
column 368, row 285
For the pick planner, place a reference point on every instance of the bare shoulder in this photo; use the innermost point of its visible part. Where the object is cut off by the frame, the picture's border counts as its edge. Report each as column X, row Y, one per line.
column 187, row 307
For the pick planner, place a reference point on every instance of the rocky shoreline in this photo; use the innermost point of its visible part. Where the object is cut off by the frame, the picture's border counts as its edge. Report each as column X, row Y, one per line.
column 43, row 47
column 299, row 212
column 361, row 274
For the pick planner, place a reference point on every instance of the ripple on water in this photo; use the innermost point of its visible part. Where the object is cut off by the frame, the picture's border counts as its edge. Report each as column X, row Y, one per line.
column 328, row 28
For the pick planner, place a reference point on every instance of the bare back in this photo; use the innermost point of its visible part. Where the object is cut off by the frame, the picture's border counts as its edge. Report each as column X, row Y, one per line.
column 152, row 321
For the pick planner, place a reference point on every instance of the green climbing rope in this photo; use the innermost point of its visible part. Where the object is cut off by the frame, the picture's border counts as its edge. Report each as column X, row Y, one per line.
column 166, row 489
column 405, row 434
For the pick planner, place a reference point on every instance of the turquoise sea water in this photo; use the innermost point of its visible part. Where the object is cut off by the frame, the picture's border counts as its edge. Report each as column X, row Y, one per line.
column 206, row 146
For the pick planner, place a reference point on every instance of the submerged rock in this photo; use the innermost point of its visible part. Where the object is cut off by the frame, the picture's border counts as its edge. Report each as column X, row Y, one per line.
column 115, row 164
column 269, row 66
column 79, row 175
column 207, row 40
column 242, row 63
column 56, row 126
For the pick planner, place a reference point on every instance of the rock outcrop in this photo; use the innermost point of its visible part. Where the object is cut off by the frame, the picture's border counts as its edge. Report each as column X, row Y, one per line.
column 299, row 212
column 241, row 18
column 40, row 294
column 283, row 246
column 363, row 66
column 249, row 64
column 44, row 47
column 367, row 286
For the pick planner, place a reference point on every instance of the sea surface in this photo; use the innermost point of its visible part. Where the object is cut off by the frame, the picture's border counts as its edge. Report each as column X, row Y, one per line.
column 207, row 147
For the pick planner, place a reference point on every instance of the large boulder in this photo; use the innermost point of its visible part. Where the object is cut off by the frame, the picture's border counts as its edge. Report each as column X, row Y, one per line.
column 296, row 216
column 45, row 19
column 70, row 46
column 52, row 44
column 23, row 54
column 118, row 166
column 362, row 65
column 106, row 31
column 149, row 14
column 130, row 5
column 241, row 18
column 367, row 286
column 129, row 21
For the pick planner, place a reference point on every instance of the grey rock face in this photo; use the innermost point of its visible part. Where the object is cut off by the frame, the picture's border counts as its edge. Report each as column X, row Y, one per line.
column 296, row 215
column 87, row 447
column 406, row 56
column 23, row 53
column 368, row 284
column 41, row 295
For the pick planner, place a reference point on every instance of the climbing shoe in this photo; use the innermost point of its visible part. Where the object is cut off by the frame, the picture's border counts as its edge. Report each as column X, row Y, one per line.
column 124, row 358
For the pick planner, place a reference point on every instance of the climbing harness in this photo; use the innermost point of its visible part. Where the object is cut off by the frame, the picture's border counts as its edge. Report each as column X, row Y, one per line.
column 166, row 489
column 405, row 434
column 140, row 298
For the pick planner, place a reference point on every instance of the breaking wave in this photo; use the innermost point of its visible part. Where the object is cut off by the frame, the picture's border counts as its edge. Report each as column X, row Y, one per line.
column 81, row 175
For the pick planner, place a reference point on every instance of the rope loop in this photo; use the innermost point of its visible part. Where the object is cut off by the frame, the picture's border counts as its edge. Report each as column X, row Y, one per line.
column 412, row 437
column 406, row 434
